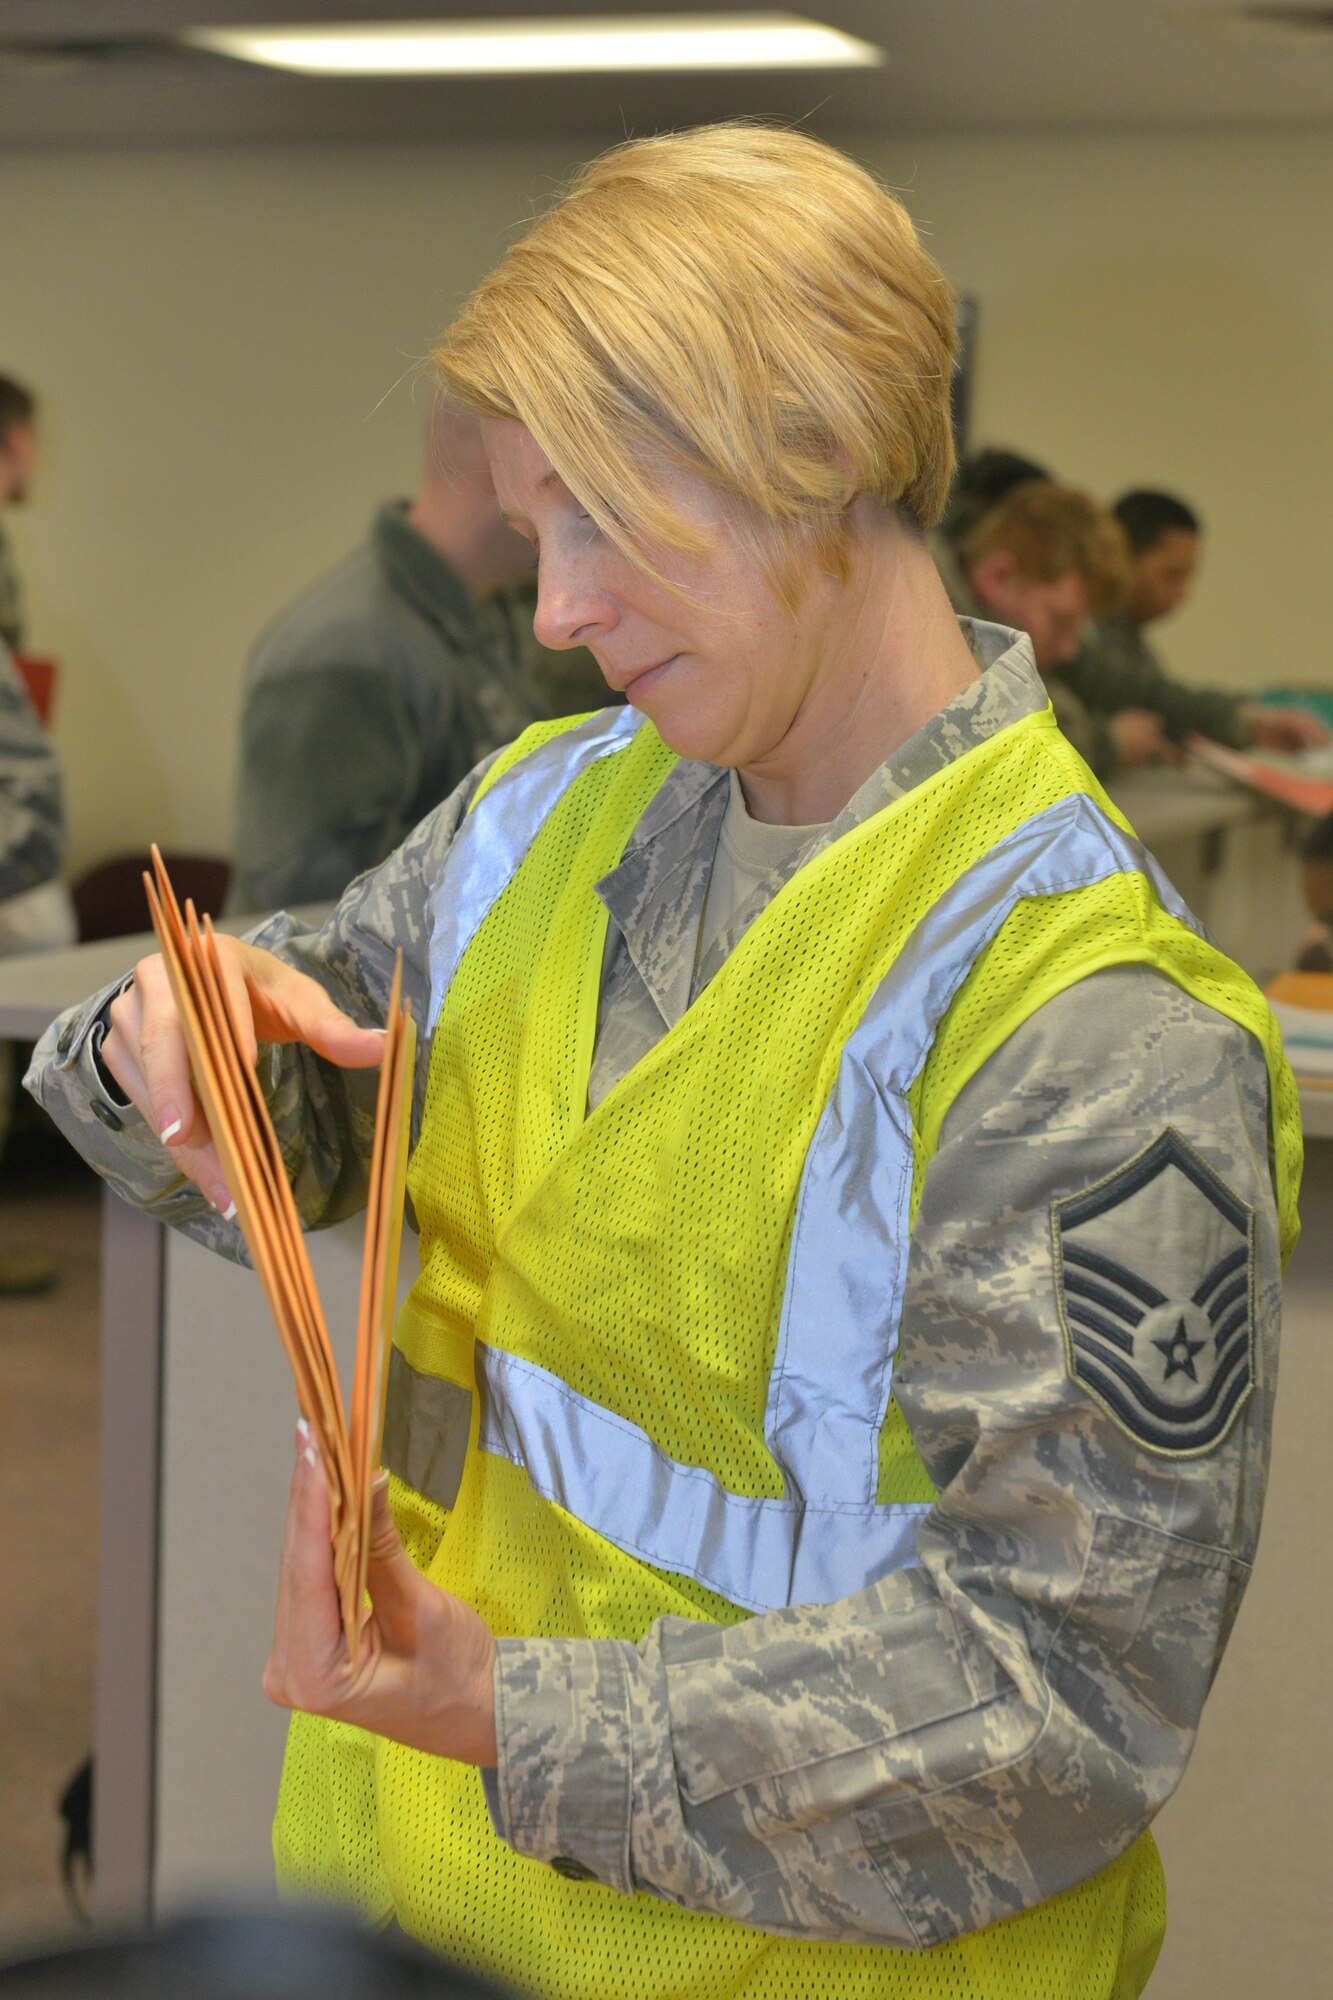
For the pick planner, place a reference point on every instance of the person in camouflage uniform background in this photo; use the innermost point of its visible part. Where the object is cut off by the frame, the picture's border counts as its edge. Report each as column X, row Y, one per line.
column 35, row 912
column 18, row 459
column 1113, row 696
column 373, row 694
column 1045, row 558
column 1116, row 666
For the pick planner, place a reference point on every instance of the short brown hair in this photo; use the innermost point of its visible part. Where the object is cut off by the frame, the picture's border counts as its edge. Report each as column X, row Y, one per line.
column 741, row 302
column 1050, row 530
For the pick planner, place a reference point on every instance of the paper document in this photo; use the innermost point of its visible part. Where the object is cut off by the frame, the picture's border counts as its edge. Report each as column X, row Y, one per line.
column 1304, row 785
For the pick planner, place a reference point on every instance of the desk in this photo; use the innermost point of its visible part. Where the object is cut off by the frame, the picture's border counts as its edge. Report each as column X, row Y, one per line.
column 1231, row 854
column 196, row 1452
column 37, row 986
column 1166, row 807
column 195, row 1419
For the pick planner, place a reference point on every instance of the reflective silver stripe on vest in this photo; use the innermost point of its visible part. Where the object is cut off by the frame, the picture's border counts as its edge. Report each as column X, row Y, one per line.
column 847, row 1266
column 494, row 837
column 605, row 1470
column 829, row 1393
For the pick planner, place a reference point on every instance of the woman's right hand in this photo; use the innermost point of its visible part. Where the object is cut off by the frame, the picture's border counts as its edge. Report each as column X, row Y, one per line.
column 145, row 1047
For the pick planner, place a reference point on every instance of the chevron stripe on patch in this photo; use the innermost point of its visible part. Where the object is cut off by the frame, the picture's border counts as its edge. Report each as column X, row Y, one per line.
column 1154, row 1279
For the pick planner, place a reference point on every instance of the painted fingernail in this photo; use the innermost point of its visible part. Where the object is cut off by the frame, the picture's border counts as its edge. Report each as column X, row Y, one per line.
column 302, row 1431
column 171, row 1128
column 311, row 1456
column 223, row 1203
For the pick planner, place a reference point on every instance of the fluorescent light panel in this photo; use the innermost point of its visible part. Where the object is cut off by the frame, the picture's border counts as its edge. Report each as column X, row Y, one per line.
column 590, row 43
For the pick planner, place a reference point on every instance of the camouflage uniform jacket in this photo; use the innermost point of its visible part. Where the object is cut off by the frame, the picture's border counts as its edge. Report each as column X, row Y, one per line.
column 32, row 810
column 11, row 598
column 368, row 700
column 1116, row 668
column 972, row 1734
column 1086, row 728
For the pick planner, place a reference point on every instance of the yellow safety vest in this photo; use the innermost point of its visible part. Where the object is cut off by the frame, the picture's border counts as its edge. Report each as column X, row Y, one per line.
column 605, row 1299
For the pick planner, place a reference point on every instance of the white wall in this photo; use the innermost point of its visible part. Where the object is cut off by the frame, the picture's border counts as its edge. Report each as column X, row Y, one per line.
column 1158, row 310
column 227, row 342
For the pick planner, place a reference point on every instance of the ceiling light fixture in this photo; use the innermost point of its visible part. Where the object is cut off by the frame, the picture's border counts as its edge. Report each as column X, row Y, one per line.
column 591, row 43
column 1257, row 26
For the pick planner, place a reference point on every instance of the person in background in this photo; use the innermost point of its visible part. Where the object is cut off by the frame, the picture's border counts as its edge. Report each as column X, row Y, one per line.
column 379, row 688
column 36, row 913
column 1116, row 667
column 1046, row 559
column 35, row 909
column 32, row 813
column 828, row 1430
column 981, row 481
column 18, row 461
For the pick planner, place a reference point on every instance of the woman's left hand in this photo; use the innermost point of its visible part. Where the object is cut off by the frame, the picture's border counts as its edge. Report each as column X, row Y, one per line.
column 427, row 1659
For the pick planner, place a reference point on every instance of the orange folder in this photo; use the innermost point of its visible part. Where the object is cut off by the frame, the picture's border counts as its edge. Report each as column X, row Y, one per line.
column 348, row 1441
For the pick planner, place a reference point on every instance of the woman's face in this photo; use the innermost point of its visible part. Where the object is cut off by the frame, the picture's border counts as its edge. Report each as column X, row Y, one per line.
column 723, row 671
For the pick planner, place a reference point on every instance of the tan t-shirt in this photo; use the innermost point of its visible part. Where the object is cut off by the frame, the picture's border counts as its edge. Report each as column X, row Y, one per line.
column 747, row 851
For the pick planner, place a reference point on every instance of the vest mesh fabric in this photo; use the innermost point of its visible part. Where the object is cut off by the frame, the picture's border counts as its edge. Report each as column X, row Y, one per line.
column 1041, row 951
column 640, row 1255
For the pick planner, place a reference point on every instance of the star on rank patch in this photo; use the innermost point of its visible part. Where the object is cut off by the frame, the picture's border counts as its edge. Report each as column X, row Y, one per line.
column 1154, row 1276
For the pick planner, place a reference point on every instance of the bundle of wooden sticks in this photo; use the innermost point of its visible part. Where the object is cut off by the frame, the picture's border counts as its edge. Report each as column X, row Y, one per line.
column 247, row 1145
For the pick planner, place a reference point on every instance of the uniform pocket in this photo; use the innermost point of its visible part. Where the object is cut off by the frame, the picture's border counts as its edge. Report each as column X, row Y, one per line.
column 1157, row 1600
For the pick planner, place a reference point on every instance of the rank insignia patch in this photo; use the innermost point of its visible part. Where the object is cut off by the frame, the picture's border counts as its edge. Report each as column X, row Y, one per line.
column 1154, row 1277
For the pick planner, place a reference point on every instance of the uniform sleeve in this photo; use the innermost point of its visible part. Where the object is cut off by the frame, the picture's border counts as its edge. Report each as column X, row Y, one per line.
column 323, row 1116
column 1186, row 710
column 979, row 1731
column 1088, row 730
column 32, row 811
column 330, row 772
column 1107, row 681
column 11, row 598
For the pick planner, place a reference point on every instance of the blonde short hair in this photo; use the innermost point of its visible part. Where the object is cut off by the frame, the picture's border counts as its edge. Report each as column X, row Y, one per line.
column 741, row 302
column 1050, row 530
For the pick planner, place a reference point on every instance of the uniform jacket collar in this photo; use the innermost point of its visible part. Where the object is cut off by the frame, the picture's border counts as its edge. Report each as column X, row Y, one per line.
column 655, row 895
column 422, row 575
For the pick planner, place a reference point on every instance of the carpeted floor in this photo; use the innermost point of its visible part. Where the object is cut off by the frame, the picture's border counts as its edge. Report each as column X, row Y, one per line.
column 48, row 1508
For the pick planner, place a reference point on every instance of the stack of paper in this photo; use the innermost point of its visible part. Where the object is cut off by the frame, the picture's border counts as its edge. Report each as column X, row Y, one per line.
column 1299, row 782
column 247, row 1145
